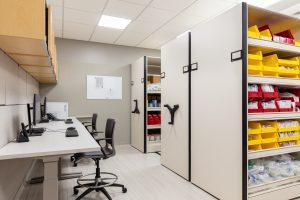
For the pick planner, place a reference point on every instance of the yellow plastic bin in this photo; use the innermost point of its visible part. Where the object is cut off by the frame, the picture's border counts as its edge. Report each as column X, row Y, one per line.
column 254, row 147
column 269, row 145
column 297, row 43
column 254, row 139
column 255, row 64
column 271, row 66
column 266, row 35
column 253, row 32
column 254, row 128
column 287, row 139
column 269, row 138
column 292, row 65
column 268, row 127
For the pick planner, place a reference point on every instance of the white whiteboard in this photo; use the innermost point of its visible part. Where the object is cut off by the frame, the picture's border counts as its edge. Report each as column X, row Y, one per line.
column 104, row 87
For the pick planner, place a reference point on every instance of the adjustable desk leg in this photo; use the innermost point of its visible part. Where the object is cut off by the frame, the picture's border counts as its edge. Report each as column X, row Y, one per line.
column 50, row 186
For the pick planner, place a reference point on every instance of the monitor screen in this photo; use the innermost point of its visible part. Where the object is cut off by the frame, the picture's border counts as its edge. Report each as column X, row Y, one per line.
column 36, row 109
column 43, row 108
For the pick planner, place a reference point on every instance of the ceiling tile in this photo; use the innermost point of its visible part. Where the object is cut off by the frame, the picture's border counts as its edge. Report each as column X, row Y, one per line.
column 82, row 17
column 55, row 2
column 57, row 12
column 291, row 10
column 86, row 5
column 140, row 2
column 130, row 38
column 172, row 5
column 77, row 31
column 123, row 9
column 209, row 8
column 140, row 26
column 156, row 15
column 105, row 35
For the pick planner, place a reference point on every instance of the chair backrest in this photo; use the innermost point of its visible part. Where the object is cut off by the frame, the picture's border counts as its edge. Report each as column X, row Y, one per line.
column 109, row 133
column 94, row 122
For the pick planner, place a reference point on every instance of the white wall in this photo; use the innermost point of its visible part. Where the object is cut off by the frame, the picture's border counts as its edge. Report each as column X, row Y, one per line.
column 16, row 89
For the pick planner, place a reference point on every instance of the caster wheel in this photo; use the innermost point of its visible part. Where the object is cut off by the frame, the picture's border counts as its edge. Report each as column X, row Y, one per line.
column 75, row 191
column 75, row 164
column 124, row 190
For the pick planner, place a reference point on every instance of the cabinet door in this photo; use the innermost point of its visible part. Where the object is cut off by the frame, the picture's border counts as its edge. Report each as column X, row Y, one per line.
column 216, row 106
column 138, row 94
column 174, row 142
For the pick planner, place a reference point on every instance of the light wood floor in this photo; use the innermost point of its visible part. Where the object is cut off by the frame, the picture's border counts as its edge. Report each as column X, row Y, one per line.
column 142, row 174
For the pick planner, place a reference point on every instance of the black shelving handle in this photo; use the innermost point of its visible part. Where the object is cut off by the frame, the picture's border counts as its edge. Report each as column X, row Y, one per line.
column 136, row 109
column 172, row 111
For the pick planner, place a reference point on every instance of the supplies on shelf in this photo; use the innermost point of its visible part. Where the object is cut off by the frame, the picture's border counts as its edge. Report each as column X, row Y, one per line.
column 154, row 101
column 285, row 37
column 270, row 169
column 253, row 32
column 272, row 134
column 154, row 137
column 154, row 87
column 154, row 119
column 265, row 33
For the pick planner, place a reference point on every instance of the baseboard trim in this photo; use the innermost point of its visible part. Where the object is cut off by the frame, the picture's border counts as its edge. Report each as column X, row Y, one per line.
column 26, row 178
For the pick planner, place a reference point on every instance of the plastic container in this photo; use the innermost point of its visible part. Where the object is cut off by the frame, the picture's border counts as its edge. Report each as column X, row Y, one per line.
column 269, row 145
column 265, row 33
column 255, row 95
column 269, row 138
column 287, row 139
column 275, row 109
column 254, row 139
column 271, row 95
column 268, row 127
column 253, row 32
column 255, row 64
column 271, row 67
column 291, row 65
column 297, row 43
column 254, row 128
column 255, row 110
column 285, row 37
column 254, row 147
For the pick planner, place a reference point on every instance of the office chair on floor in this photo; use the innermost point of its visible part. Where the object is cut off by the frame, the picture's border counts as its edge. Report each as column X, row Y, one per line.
column 93, row 131
column 101, row 180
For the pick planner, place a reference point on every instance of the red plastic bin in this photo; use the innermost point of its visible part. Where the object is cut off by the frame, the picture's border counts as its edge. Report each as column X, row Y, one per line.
column 255, row 95
column 284, row 37
column 270, row 109
column 258, row 110
column 271, row 95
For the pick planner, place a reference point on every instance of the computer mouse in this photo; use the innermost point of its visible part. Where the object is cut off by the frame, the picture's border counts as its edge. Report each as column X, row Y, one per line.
column 71, row 128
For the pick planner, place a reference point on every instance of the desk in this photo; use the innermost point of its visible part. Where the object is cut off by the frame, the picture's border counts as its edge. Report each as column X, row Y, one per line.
column 50, row 147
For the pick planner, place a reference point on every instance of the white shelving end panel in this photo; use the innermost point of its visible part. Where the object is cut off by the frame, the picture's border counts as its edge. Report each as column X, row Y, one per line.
column 153, row 109
column 291, row 82
column 273, row 116
column 154, row 75
column 273, row 152
column 158, row 126
column 153, row 147
column 267, row 46
column 154, row 92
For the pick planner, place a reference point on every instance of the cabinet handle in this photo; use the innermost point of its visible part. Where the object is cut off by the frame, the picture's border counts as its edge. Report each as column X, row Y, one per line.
column 136, row 109
column 172, row 112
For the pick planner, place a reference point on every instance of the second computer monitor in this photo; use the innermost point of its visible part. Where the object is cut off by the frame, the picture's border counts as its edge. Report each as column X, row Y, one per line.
column 36, row 109
column 44, row 107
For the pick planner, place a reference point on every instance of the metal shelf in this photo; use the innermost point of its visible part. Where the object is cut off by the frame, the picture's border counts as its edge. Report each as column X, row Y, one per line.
column 273, row 116
column 154, row 92
column 291, row 82
column 273, row 152
column 154, row 109
column 156, row 126
column 283, row 50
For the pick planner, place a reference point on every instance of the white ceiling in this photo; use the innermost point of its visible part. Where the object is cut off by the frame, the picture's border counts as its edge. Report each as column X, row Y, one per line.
column 154, row 22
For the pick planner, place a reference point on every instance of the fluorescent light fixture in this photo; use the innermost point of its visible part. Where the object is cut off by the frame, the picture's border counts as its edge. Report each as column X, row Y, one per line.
column 261, row 3
column 182, row 34
column 113, row 22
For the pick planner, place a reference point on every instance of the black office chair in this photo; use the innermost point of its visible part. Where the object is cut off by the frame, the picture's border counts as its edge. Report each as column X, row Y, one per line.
column 102, row 179
column 93, row 131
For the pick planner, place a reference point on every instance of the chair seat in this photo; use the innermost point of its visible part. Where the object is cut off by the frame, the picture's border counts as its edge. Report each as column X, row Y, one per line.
column 99, row 154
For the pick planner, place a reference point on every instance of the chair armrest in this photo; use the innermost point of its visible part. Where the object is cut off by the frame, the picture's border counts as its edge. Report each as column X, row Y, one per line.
column 86, row 122
column 88, row 125
column 101, row 139
column 97, row 132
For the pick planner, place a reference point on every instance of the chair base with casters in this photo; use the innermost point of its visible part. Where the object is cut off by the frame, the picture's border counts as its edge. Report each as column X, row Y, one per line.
column 101, row 181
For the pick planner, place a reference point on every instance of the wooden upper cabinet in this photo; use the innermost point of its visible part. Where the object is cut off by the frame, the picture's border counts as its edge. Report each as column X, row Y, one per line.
column 26, row 35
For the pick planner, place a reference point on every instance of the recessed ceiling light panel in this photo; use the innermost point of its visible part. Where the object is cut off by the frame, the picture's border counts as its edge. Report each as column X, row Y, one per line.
column 113, row 22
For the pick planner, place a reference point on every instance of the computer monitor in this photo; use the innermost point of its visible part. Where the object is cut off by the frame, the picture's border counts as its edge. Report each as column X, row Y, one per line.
column 36, row 109
column 43, row 108
column 29, row 119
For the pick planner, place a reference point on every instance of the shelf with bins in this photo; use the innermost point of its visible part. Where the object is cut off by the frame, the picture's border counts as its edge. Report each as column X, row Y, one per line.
column 154, row 109
column 154, row 126
column 272, row 60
